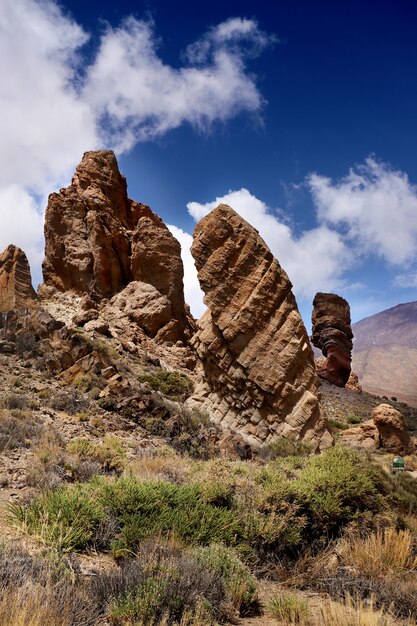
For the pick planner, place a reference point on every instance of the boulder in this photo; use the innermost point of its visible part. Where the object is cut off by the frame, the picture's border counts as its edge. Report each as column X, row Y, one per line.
column 257, row 374
column 387, row 429
column 98, row 240
column 16, row 291
column 392, row 429
column 332, row 334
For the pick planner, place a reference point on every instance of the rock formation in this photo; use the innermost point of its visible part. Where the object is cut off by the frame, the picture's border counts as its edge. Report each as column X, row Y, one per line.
column 392, row 429
column 387, row 429
column 97, row 241
column 258, row 374
column 16, row 291
column 332, row 333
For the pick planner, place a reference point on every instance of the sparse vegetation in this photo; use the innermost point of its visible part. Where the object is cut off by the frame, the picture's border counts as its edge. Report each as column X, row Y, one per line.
column 174, row 384
column 353, row 419
column 70, row 401
column 288, row 608
column 272, row 515
column 17, row 429
column 338, row 424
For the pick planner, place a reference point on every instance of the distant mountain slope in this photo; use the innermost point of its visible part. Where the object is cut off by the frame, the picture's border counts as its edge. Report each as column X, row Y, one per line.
column 385, row 352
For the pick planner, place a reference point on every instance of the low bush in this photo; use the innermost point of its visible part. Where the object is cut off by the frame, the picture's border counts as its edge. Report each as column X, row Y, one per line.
column 38, row 591
column 14, row 401
column 338, row 424
column 108, row 453
column 284, row 447
column 353, row 419
column 267, row 514
column 288, row 608
column 174, row 384
column 239, row 583
column 18, row 430
column 69, row 517
column 70, row 401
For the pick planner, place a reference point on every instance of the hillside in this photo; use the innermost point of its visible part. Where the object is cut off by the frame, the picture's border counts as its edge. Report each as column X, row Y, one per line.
column 156, row 470
column 385, row 352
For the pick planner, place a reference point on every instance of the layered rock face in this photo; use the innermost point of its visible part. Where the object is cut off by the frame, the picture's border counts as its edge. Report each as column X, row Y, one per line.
column 16, row 291
column 97, row 241
column 332, row 334
column 258, row 374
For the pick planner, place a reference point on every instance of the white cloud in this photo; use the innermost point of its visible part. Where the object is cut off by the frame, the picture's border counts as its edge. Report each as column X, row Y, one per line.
column 21, row 223
column 44, row 126
column 406, row 281
column 53, row 106
column 192, row 292
column 314, row 261
column 139, row 97
column 376, row 205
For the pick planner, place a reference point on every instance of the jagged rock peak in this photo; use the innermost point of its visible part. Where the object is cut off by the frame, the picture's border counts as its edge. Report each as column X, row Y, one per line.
column 98, row 240
column 332, row 334
column 258, row 375
column 16, row 291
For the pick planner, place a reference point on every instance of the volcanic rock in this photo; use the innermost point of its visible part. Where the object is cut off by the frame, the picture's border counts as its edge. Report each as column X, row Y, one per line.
column 16, row 291
column 387, row 429
column 97, row 241
column 392, row 429
column 332, row 333
column 257, row 368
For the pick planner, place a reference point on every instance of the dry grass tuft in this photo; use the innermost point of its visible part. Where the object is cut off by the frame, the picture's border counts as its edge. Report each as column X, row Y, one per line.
column 384, row 552
column 350, row 613
column 163, row 465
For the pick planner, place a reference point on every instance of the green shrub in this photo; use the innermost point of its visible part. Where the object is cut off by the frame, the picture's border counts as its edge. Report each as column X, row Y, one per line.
column 165, row 585
column 337, row 487
column 353, row 419
column 239, row 584
column 69, row 517
column 173, row 384
column 284, row 447
column 289, row 609
column 338, row 424
column 66, row 518
column 110, row 452
column 273, row 513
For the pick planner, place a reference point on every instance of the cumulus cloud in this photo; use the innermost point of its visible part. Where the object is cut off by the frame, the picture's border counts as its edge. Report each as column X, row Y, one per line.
column 192, row 292
column 44, row 125
column 21, row 223
column 139, row 97
column 54, row 106
column 376, row 206
column 315, row 260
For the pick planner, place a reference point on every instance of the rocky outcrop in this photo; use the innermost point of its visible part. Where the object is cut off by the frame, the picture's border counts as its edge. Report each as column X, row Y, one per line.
column 387, row 429
column 332, row 334
column 97, row 241
column 392, row 429
column 16, row 291
column 257, row 373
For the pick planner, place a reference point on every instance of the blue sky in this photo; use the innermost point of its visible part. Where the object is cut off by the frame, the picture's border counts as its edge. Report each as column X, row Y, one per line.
column 301, row 115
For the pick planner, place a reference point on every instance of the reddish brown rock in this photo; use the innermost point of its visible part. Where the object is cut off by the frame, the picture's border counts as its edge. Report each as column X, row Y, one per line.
column 257, row 374
column 16, row 291
column 332, row 334
column 353, row 383
column 97, row 241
